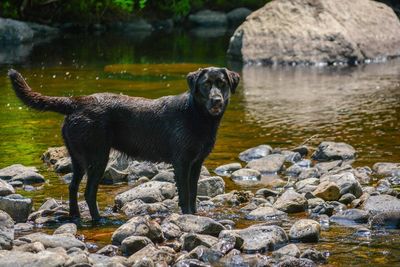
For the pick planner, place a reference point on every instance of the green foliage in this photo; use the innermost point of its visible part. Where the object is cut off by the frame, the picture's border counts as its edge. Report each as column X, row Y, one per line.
column 125, row 5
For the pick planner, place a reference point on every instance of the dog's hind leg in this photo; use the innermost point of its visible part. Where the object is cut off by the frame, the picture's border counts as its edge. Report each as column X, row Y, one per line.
column 182, row 172
column 193, row 180
column 78, row 173
column 95, row 171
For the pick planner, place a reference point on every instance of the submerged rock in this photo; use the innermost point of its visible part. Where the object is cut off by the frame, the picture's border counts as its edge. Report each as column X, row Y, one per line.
column 330, row 32
column 255, row 153
column 246, row 176
column 227, row 169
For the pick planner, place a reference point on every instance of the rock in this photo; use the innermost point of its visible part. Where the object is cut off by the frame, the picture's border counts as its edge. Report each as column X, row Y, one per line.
column 328, row 151
column 307, row 185
column 260, row 238
column 18, row 172
column 387, row 219
column 40, row 259
column 230, row 236
column 16, row 206
column 305, row 230
column 23, row 227
column 350, row 216
column 6, row 189
column 208, row 18
column 150, row 192
column 196, row 224
column 324, row 167
column 6, row 231
column 288, row 250
column 152, row 253
column 34, row 247
column 237, row 15
column 211, row 186
column 381, row 203
column 386, row 168
column 246, row 175
column 165, row 176
column 77, row 257
column 265, row 214
column 363, row 175
column 269, row 164
column 63, row 165
column 314, row 255
column 104, row 261
column 53, row 154
column 68, row 228
column 15, row 32
column 190, row 241
column 191, row 263
column 255, row 153
column 294, row 170
column 227, row 169
column 295, row 262
column 309, row 173
column 291, row 202
column 328, row 191
column 132, row 244
column 108, row 250
column 323, row 208
column 291, row 156
column 233, row 198
column 138, row 207
column 115, row 176
column 346, row 182
column 138, row 226
column 347, row 198
column 170, row 230
column 266, row 192
column 49, row 204
column 65, row 241
column 344, row 31
column 139, row 25
column 137, row 169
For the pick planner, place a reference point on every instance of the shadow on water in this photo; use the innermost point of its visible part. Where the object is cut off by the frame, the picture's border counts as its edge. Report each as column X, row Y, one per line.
column 274, row 105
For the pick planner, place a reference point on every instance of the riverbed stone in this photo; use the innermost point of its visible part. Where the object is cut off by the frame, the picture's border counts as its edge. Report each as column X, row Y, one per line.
column 164, row 176
column 386, row 219
column 260, row 238
column 208, row 18
column 6, row 231
column 210, row 186
column 195, row 224
column 158, row 256
column 294, row 262
column 346, row 182
column 387, row 168
column 49, row 204
column 269, row 164
column 65, row 241
column 255, row 153
column 314, row 255
column 138, row 226
column 113, row 175
column 307, row 185
column 138, row 207
column 68, row 228
column 6, row 189
column 328, row 151
column 330, row 32
column 347, row 198
column 381, row 203
column 108, row 250
column 40, row 259
column 99, row 260
column 132, row 244
column 149, row 192
column 305, row 230
column 350, row 216
column 328, row 191
column 18, row 172
column 227, row 169
column 190, row 241
column 265, row 214
column 246, row 176
column 17, row 206
column 23, row 227
column 288, row 250
column 233, row 198
column 291, row 202
column 237, row 16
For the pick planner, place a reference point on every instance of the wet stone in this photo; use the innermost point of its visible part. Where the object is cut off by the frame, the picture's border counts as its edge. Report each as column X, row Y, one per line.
column 158, row 256
column 269, row 164
column 65, row 241
column 227, row 169
column 164, row 176
column 387, row 219
column 195, row 224
column 314, row 255
column 190, row 241
column 347, row 198
column 328, row 191
column 288, row 250
column 323, row 208
column 346, row 182
column 328, row 151
column 307, row 185
column 17, row 206
column 381, row 203
column 246, row 175
column 386, row 168
column 265, row 213
column 211, row 186
column 108, row 250
column 68, row 228
column 305, row 230
column 350, row 216
column 6, row 189
column 6, row 231
column 255, row 153
column 132, row 244
column 291, row 202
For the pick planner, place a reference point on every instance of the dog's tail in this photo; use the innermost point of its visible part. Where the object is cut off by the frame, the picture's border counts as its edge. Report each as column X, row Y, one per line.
column 63, row 105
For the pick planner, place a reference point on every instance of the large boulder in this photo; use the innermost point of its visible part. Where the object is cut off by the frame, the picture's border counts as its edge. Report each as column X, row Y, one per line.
column 346, row 182
column 304, row 31
column 387, row 168
column 334, row 151
column 149, row 192
column 6, row 231
column 381, row 203
column 17, row 206
column 211, row 186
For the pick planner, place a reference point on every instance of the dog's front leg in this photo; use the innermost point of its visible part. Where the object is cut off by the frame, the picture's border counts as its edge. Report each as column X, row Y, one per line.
column 182, row 172
column 194, row 178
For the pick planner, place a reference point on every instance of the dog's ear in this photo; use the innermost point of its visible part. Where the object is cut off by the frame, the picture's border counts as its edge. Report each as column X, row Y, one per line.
column 192, row 78
column 233, row 79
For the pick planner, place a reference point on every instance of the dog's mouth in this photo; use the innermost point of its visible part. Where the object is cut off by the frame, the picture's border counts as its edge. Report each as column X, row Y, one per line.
column 216, row 110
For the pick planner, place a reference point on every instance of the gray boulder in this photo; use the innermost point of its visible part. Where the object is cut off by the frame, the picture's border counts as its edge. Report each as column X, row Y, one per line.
column 195, row 224
column 18, row 172
column 328, row 151
column 387, row 168
column 138, row 226
column 65, row 241
column 190, row 241
column 350, row 216
column 165, row 176
column 328, row 191
column 259, row 238
column 17, row 206
column 314, row 255
column 211, row 186
column 255, row 153
column 227, row 169
column 158, row 256
column 246, row 176
column 6, row 231
column 346, row 182
column 269, row 164
column 68, row 228
column 266, row 214
column 387, row 219
column 305, row 230
column 6, row 189
column 381, row 203
column 137, row 207
column 150, row 192
column 289, row 250
column 291, row 202
column 329, row 32
column 307, row 185
column 132, row 244
column 40, row 259
column 208, row 18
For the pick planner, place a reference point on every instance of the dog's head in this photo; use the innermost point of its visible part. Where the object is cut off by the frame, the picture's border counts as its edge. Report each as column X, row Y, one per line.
column 211, row 88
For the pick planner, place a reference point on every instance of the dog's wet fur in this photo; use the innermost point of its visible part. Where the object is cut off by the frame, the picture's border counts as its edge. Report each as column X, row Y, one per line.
column 179, row 130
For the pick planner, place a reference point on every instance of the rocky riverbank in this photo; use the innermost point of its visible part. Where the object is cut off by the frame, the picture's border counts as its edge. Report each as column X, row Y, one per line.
column 302, row 193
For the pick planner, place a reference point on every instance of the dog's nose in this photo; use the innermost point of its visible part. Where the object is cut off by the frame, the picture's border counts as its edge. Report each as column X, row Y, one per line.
column 216, row 100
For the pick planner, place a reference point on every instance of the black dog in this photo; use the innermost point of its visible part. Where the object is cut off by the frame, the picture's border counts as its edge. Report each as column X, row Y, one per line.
column 179, row 129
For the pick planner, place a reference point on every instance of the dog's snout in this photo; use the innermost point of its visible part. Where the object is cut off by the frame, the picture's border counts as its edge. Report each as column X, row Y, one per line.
column 217, row 100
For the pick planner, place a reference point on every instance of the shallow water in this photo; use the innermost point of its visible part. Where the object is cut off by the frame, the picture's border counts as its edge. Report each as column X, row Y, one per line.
column 280, row 106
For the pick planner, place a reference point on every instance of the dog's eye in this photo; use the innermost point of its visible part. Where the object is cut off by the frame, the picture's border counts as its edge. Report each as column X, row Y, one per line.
column 221, row 84
column 207, row 85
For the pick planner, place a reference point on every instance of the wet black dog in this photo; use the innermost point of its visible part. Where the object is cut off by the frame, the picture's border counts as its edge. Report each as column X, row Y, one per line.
column 179, row 129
